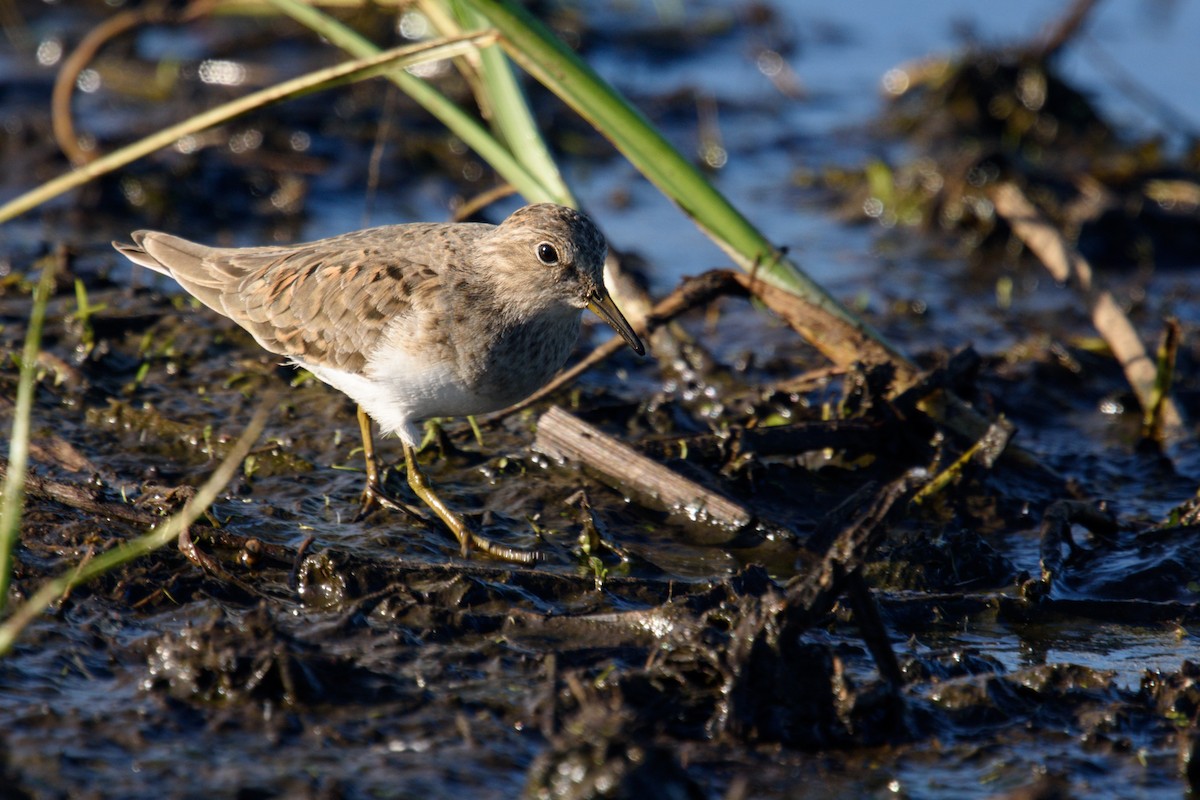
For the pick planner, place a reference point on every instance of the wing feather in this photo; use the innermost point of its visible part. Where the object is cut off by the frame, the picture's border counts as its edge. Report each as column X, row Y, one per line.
column 326, row 303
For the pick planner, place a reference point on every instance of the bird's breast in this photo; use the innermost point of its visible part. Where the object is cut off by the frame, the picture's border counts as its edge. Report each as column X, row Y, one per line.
column 524, row 357
column 411, row 378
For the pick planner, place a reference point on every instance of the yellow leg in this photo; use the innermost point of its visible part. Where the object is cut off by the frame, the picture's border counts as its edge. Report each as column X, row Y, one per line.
column 466, row 537
column 373, row 494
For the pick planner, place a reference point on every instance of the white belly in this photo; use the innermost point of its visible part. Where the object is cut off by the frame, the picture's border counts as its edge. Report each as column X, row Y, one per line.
column 405, row 393
column 400, row 388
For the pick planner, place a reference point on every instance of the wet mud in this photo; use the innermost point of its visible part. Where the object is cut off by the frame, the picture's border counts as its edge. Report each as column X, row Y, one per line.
column 879, row 605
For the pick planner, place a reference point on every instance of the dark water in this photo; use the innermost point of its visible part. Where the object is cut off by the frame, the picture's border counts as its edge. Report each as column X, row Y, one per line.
column 424, row 680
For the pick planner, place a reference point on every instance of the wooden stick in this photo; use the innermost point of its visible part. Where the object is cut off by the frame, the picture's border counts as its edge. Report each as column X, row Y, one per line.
column 564, row 436
column 1063, row 30
column 1065, row 263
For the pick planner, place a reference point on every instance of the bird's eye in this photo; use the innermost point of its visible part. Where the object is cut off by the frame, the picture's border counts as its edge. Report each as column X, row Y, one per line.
column 547, row 254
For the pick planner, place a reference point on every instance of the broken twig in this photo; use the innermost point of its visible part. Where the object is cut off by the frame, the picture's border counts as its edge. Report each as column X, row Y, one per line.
column 566, row 437
column 1067, row 265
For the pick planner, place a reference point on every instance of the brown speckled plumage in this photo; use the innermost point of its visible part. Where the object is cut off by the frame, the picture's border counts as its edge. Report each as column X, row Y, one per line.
column 411, row 321
column 326, row 302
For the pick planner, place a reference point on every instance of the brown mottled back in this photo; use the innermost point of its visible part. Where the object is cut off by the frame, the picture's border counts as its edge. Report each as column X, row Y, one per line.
column 356, row 283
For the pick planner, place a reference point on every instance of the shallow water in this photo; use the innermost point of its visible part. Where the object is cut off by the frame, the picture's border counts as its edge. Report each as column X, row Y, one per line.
column 452, row 707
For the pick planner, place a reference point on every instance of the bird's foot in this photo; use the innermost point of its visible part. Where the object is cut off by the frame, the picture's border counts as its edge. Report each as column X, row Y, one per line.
column 467, row 538
column 374, row 497
column 500, row 551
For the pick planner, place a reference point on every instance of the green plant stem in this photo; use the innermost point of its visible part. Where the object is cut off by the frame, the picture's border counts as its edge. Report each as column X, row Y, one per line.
column 509, row 110
column 18, row 447
column 541, row 54
column 360, row 69
column 158, row 536
column 454, row 118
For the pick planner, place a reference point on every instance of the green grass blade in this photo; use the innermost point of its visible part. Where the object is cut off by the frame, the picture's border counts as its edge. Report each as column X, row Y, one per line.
column 360, row 69
column 541, row 54
column 160, row 535
column 551, row 62
column 511, row 118
column 18, row 447
column 454, row 118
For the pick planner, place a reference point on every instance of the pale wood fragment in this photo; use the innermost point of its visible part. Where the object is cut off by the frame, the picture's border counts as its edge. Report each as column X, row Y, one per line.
column 565, row 437
column 1066, row 264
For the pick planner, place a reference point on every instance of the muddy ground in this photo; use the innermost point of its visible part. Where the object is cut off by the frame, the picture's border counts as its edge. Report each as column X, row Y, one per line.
column 1021, row 631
